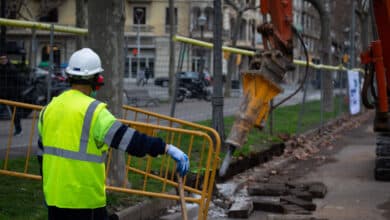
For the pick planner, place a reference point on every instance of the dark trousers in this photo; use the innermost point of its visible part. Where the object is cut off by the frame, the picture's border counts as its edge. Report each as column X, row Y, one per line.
column 55, row 213
column 17, row 123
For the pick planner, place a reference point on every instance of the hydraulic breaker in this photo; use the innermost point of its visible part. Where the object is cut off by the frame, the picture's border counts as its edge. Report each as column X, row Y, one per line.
column 254, row 107
column 260, row 86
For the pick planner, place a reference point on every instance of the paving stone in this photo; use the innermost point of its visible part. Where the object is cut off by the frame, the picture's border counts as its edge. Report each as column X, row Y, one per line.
column 292, row 217
column 305, row 195
column 299, row 202
column 318, row 190
column 268, row 189
column 294, row 209
column 267, row 205
column 241, row 209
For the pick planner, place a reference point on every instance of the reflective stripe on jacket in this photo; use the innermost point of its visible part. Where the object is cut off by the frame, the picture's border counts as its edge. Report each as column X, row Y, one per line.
column 73, row 163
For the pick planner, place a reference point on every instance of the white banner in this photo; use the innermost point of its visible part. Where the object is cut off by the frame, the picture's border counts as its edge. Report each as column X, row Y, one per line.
column 354, row 92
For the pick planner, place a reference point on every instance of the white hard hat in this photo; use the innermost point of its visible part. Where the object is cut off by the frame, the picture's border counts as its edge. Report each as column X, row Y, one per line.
column 84, row 62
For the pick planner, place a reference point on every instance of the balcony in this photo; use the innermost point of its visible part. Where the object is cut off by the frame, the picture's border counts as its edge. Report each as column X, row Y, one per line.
column 142, row 28
column 139, row 1
column 207, row 33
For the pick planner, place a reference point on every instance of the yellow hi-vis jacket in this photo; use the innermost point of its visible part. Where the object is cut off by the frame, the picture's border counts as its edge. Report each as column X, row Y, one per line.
column 73, row 163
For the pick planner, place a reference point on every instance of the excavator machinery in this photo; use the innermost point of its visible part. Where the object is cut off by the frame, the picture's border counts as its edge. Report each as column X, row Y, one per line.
column 375, row 91
column 261, row 83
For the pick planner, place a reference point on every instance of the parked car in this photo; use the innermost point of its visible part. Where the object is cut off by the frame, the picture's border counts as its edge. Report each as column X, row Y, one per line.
column 161, row 81
column 183, row 76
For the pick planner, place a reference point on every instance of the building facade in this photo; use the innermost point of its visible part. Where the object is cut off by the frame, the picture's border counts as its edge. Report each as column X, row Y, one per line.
column 146, row 37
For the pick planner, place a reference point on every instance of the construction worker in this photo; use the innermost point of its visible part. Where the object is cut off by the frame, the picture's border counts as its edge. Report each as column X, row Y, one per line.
column 75, row 131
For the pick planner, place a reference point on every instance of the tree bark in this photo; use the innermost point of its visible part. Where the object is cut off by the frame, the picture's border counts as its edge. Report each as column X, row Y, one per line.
column 3, row 28
column 172, row 32
column 323, row 8
column 106, row 36
column 81, row 22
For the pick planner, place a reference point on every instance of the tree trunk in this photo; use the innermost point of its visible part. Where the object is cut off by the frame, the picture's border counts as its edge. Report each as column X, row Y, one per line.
column 81, row 21
column 106, row 37
column 323, row 8
column 327, row 84
column 364, row 30
column 3, row 28
column 172, row 32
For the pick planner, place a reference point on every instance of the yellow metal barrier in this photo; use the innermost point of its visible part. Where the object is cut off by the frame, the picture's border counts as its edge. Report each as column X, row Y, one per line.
column 137, row 114
column 148, row 176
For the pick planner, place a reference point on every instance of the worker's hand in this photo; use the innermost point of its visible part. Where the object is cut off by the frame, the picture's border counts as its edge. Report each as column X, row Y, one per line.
column 182, row 162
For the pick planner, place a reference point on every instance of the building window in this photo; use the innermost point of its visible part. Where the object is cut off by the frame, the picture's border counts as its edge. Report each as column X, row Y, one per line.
column 51, row 16
column 168, row 16
column 45, row 54
column 139, row 15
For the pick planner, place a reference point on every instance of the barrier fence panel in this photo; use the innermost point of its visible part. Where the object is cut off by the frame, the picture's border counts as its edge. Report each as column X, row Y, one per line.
column 148, row 176
column 199, row 147
column 18, row 146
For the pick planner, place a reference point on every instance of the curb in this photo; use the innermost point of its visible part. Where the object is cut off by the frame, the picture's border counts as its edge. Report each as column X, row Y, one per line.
column 148, row 210
column 192, row 212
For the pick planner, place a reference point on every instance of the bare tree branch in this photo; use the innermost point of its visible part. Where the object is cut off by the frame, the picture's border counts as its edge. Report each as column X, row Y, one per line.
column 24, row 4
column 232, row 4
column 250, row 8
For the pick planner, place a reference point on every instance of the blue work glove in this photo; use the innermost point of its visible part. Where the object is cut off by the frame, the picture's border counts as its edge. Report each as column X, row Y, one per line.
column 182, row 162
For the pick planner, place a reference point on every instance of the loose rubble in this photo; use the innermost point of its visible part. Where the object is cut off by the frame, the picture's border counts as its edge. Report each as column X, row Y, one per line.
column 267, row 187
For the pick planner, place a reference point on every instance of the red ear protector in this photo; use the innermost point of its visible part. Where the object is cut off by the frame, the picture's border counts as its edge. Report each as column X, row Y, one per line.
column 99, row 82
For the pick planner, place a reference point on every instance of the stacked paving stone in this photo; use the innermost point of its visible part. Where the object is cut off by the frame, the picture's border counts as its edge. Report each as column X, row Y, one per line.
column 282, row 198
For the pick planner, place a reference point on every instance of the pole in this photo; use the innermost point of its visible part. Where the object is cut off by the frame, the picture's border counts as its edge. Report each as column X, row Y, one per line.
column 172, row 32
column 33, row 48
column 138, row 43
column 3, row 29
column 352, row 35
column 217, row 99
column 51, row 64
column 202, row 51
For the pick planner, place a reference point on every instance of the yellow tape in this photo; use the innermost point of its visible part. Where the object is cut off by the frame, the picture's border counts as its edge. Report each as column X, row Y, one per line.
column 42, row 26
column 252, row 53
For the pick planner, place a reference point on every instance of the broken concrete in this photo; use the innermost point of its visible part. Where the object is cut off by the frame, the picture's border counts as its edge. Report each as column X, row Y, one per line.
column 241, row 209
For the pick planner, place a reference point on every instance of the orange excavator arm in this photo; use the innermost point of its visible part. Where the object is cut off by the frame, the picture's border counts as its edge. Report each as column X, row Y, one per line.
column 278, row 33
